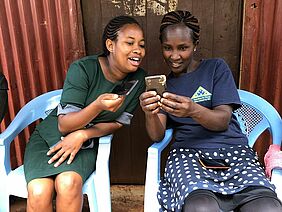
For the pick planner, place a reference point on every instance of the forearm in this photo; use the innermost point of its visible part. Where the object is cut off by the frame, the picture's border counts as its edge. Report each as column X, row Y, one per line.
column 216, row 119
column 77, row 120
column 154, row 127
column 72, row 143
column 101, row 129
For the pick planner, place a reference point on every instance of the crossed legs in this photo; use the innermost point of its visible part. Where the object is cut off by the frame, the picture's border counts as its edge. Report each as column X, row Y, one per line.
column 68, row 188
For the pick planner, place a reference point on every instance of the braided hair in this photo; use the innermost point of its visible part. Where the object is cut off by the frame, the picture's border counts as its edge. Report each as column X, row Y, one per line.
column 113, row 27
column 181, row 17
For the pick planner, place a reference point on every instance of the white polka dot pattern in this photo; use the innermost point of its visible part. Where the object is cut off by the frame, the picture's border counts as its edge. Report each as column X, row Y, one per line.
column 184, row 174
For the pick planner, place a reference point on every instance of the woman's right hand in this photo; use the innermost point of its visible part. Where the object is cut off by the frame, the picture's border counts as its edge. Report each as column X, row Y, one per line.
column 110, row 102
column 67, row 147
column 149, row 102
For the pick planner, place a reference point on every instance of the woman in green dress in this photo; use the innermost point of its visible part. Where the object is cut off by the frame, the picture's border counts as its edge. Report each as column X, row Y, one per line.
column 61, row 153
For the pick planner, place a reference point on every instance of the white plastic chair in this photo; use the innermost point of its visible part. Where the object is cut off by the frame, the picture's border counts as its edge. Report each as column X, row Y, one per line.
column 12, row 182
column 255, row 116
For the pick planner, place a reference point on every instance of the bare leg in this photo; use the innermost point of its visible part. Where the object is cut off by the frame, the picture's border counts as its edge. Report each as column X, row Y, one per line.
column 68, row 186
column 40, row 194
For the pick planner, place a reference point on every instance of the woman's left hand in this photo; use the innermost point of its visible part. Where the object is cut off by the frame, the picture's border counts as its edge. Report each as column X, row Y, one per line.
column 67, row 147
column 179, row 106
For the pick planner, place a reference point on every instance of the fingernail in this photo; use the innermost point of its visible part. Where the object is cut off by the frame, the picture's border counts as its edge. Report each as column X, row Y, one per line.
column 49, row 161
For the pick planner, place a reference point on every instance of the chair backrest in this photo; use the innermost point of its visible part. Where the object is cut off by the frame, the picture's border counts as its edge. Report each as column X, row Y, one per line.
column 257, row 115
column 42, row 105
column 37, row 108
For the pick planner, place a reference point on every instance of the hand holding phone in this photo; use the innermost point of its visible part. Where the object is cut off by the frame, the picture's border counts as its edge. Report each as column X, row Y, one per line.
column 110, row 102
column 156, row 83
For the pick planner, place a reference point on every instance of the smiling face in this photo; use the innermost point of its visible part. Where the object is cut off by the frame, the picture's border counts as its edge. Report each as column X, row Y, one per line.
column 128, row 50
column 178, row 48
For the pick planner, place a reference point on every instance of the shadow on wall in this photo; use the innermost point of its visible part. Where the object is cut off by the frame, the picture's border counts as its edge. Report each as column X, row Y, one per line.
column 3, row 96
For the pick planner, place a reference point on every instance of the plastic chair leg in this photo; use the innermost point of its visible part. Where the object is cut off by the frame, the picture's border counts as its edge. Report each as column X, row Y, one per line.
column 4, row 202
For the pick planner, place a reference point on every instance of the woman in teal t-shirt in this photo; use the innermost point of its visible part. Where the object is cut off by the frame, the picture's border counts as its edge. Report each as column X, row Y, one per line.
column 210, row 166
column 63, row 148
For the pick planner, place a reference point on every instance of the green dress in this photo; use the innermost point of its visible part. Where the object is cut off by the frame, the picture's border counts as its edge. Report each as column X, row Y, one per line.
column 84, row 82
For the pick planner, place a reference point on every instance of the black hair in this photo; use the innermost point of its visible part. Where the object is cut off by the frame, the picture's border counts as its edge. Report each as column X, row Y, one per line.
column 181, row 17
column 113, row 27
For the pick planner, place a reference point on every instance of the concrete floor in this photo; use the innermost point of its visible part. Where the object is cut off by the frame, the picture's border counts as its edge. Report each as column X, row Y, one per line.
column 125, row 198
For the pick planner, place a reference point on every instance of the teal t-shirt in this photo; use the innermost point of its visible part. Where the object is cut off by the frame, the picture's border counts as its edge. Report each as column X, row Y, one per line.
column 84, row 82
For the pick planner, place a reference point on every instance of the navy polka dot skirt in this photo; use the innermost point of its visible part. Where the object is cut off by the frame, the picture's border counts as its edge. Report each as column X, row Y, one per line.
column 184, row 174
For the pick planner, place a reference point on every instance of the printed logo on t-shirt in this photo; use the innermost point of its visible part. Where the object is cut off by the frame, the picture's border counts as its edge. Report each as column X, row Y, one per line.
column 201, row 95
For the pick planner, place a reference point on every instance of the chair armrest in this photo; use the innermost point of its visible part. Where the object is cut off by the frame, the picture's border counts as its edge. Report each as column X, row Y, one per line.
column 102, row 177
column 161, row 145
column 153, row 172
column 15, row 127
column 102, row 162
column 276, row 179
column 154, row 153
column 7, row 136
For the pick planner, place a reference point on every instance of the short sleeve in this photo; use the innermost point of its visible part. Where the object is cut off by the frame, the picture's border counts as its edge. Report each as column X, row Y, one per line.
column 125, row 118
column 75, row 86
column 224, row 90
column 65, row 109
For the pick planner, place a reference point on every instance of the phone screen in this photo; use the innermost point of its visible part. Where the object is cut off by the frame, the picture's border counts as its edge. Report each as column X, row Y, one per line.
column 125, row 88
column 214, row 163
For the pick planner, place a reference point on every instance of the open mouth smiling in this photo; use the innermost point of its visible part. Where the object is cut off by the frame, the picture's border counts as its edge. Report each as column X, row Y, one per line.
column 135, row 61
column 175, row 64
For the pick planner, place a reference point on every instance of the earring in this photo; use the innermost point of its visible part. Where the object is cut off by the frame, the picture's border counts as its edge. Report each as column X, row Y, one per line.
column 195, row 49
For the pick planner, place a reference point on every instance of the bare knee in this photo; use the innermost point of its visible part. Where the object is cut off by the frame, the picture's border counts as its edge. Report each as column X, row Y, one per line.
column 69, row 183
column 40, row 192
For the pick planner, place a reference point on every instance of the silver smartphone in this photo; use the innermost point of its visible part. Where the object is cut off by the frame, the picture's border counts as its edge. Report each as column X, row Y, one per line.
column 156, row 83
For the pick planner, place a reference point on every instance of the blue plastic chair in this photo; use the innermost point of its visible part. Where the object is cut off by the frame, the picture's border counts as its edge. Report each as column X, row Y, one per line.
column 255, row 116
column 12, row 182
